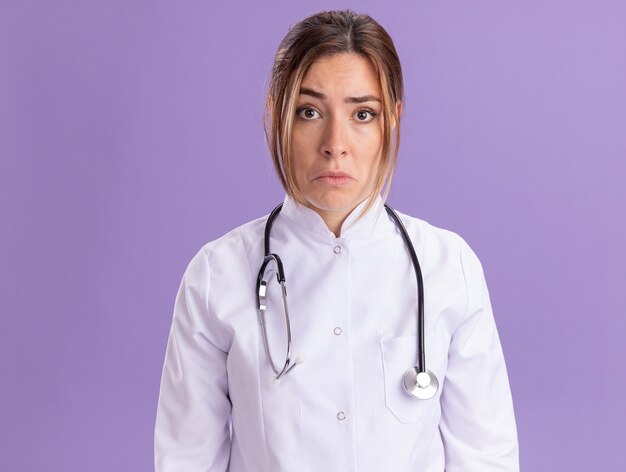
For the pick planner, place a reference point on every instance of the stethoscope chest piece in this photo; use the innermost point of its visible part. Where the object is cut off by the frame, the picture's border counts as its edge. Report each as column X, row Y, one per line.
column 422, row 385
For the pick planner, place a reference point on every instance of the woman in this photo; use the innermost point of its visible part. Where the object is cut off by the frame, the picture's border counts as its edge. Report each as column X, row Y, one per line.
column 345, row 396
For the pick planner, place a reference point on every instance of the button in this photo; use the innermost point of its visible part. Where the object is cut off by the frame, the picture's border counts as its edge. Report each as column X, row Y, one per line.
column 341, row 416
column 337, row 330
column 337, row 249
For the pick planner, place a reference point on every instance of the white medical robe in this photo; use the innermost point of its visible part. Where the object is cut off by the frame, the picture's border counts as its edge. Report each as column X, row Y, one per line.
column 353, row 306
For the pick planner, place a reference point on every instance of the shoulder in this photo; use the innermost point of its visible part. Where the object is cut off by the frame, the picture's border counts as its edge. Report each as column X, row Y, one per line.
column 439, row 243
column 237, row 239
column 217, row 267
column 447, row 252
column 230, row 249
column 230, row 253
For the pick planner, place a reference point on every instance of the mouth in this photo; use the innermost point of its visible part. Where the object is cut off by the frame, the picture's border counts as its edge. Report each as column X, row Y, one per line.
column 334, row 178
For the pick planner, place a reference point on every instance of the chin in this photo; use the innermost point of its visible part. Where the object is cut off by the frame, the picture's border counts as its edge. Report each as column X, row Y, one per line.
column 333, row 202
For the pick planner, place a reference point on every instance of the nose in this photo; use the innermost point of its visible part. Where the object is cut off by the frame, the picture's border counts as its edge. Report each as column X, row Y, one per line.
column 334, row 142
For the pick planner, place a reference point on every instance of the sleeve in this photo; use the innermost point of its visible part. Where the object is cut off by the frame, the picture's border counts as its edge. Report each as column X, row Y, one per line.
column 192, row 431
column 477, row 418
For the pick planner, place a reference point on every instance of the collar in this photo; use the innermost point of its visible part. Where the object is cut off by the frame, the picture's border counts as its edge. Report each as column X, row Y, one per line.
column 310, row 220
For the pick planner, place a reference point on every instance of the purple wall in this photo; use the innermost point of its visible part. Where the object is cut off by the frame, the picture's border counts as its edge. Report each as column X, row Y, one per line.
column 131, row 134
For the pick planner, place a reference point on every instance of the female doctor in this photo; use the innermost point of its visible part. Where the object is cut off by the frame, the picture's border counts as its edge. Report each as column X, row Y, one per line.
column 375, row 359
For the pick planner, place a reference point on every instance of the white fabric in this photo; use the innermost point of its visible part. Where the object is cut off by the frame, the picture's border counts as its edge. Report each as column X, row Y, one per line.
column 344, row 409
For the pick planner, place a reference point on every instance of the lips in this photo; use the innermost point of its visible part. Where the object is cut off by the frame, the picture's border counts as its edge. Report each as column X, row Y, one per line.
column 334, row 177
column 333, row 174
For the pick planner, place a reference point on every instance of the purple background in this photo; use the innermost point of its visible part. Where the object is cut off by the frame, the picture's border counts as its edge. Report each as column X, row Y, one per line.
column 131, row 134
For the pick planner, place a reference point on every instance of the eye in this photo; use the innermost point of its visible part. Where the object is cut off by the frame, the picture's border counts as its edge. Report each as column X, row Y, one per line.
column 306, row 113
column 362, row 115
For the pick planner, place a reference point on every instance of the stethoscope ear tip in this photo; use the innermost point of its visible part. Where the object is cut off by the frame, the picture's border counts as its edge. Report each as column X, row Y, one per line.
column 297, row 361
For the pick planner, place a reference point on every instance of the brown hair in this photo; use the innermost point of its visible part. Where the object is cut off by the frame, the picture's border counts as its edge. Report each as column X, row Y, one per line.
column 323, row 34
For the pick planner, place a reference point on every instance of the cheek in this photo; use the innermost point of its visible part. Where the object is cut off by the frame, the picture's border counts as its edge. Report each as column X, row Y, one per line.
column 369, row 140
column 300, row 158
column 370, row 152
column 299, row 172
column 372, row 171
column 304, row 138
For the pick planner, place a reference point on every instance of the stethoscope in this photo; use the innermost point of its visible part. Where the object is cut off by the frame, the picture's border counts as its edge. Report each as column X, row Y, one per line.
column 418, row 381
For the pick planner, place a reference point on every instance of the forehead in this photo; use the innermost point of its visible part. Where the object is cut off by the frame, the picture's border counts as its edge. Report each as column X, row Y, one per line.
column 343, row 73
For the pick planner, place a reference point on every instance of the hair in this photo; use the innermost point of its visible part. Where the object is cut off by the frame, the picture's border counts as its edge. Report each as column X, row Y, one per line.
column 324, row 34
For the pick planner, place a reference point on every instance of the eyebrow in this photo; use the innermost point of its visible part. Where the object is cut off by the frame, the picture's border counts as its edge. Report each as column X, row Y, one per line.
column 364, row 98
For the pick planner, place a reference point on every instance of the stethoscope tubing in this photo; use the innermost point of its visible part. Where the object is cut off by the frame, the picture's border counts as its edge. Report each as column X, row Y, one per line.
column 418, row 381
column 420, row 286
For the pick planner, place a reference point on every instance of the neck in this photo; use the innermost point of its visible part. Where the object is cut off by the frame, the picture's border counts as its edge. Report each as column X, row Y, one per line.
column 333, row 219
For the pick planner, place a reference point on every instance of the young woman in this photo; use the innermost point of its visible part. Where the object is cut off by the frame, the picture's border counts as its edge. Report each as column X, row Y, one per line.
column 385, row 354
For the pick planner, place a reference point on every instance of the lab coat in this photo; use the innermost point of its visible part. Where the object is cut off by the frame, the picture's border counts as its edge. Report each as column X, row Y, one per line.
column 353, row 306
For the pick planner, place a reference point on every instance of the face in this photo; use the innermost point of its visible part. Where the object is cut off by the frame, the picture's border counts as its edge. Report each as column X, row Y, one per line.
column 337, row 134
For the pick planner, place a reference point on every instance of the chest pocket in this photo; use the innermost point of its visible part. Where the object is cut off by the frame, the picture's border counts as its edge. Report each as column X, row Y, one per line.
column 398, row 355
